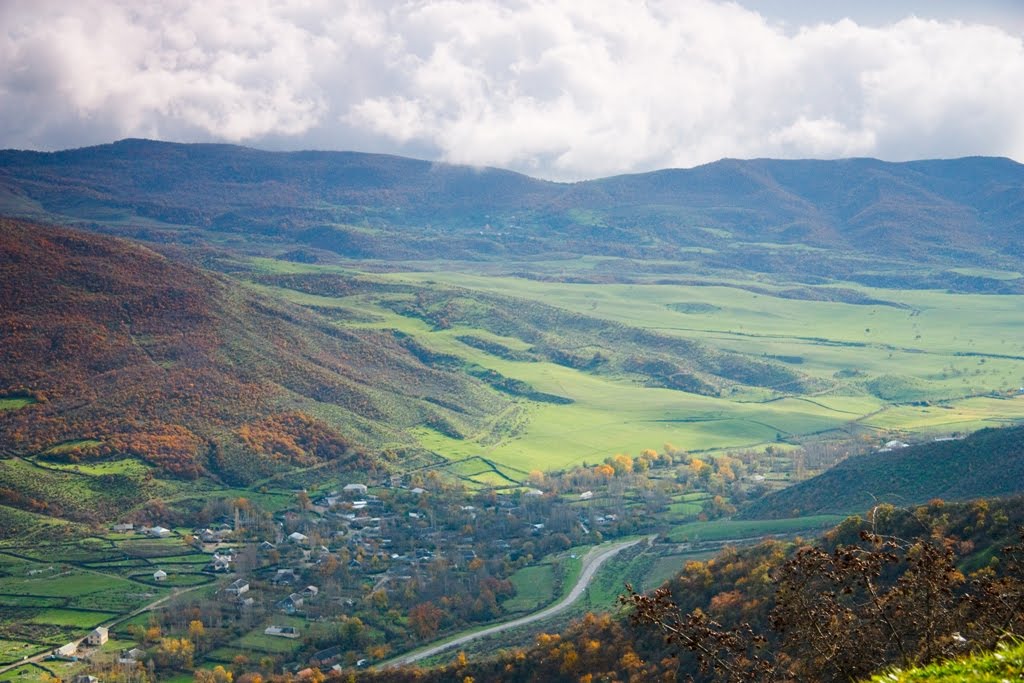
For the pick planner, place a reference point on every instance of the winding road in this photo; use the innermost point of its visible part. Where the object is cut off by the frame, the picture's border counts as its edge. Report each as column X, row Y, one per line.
column 592, row 561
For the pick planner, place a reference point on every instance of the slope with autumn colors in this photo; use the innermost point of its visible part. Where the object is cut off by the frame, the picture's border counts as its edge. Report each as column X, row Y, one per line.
column 114, row 350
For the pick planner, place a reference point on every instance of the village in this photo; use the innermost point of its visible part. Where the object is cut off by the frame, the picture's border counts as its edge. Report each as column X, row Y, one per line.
column 349, row 574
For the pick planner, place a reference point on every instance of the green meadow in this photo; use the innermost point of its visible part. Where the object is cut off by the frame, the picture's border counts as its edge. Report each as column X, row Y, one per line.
column 74, row 618
column 534, row 587
column 14, row 403
column 729, row 529
column 903, row 361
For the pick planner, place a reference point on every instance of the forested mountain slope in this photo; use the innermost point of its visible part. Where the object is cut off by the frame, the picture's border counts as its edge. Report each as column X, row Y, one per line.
column 108, row 349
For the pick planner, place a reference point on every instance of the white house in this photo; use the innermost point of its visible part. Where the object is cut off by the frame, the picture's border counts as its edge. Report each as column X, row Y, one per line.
column 586, row 495
column 98, row 636
column 220, row 563
column 238, row 587
column 159, row 532
column 296, row 537
column 159, row 575
column 68, row 650
column 359, row 489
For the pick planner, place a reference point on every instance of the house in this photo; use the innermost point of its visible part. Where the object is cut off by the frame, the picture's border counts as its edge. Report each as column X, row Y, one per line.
column 131, row 657
column 359, row 489
column 159, row 575
column 281, row 631
column 586, row 495
column 267, row 546
column 418, row 491
column 296, row 537
column 211, row 536
column 66, row 651
column 310, row 591
column 84, row 678
column 159, row 532
column 220, row 563
column 238, row 587
column 291, row 604
column 98, row 636
column 123, row 527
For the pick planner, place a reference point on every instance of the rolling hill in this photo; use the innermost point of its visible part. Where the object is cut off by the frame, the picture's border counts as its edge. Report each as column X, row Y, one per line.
column 986, row 463
column 109, row 349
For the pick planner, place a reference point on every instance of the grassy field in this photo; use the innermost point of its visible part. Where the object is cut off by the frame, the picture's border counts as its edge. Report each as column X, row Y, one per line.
column 14, row 650
column 23, row 674
column 871, row 360
column 257, row 640
column 15, row 403
column 718, row 530
column 73, row 618
column 534, row 587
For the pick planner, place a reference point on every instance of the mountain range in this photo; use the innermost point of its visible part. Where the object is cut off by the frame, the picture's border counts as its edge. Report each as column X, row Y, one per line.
column 873, row 218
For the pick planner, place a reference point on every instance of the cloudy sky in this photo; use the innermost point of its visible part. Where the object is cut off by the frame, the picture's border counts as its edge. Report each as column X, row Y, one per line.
column 561, row 89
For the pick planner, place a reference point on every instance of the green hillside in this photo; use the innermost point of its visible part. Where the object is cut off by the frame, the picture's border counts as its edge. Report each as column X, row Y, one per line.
column 109, row 350
column 987, row 463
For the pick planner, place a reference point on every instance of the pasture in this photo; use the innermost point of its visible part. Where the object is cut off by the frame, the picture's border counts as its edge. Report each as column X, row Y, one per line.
column 80, row 619
column 884, row 360
column 729, row 529
column 534, row 588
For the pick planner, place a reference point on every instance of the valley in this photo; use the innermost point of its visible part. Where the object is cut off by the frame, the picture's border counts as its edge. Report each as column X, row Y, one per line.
column 400, row 401
column 868, row 369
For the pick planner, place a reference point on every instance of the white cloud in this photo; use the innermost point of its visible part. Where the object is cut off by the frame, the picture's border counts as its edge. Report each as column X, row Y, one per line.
column 552, row 87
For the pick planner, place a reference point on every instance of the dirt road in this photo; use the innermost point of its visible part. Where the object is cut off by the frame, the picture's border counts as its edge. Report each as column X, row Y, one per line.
column 592, row 561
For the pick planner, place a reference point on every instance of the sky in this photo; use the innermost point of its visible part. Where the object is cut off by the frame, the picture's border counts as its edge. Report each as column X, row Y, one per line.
column 559, row 89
